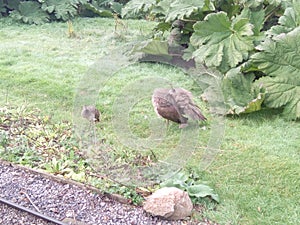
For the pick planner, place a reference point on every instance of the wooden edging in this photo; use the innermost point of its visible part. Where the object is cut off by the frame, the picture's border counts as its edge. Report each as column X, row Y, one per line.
column 87, row 187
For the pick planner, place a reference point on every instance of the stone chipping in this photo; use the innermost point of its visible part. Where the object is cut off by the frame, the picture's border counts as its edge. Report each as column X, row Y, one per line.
column 65, row 202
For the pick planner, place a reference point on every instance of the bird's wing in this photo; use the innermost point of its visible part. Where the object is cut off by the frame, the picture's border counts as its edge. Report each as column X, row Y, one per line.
column 171, row 98
column 185, row 104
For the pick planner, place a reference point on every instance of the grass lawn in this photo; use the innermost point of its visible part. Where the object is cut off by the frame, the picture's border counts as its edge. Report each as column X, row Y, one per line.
column 256, row 173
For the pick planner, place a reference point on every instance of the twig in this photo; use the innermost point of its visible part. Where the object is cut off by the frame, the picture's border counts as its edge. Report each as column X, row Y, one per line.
column 27, row 196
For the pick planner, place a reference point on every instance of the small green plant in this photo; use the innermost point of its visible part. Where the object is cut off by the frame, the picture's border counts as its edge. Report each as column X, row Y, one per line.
column 128, row 192
column 196, row 189
column 4, row 140
column 68, row 166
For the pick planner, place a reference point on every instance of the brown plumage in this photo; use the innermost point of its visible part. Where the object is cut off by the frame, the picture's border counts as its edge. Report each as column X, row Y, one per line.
column 176, row 104
column 91, row 113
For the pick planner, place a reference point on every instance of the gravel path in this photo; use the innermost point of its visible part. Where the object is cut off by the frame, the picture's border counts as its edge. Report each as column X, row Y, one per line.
column 63, row 201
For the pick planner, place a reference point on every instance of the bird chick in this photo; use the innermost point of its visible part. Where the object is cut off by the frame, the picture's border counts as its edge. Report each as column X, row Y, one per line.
column 91, row 113
column 176, row 104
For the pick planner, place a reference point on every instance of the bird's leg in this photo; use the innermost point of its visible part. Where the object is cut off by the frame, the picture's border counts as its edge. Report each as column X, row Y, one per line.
column 94, row 133
column 168, row 124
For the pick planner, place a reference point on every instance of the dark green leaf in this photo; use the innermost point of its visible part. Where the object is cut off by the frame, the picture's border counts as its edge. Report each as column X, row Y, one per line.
column 134, row 7
column 178, row 180
column 251, row 3
column 280, row 59
column 63, row 9
column 221, row 43
column 179, row 9
column 13, row 4
column 100, row 12
column 163, row 26
column 153, row 47
column 256, row 17
column 30, row 12
column 289, row 21
column 239, row 92
column 116, row 7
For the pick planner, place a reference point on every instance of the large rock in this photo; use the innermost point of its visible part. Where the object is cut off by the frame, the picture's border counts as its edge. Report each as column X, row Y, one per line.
column 170, row 203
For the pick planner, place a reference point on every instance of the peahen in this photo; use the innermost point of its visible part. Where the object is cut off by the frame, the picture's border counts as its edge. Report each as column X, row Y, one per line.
column 176, row 104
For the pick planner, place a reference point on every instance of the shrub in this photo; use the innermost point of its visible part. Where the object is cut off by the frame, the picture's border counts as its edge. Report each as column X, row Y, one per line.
column 252, row 44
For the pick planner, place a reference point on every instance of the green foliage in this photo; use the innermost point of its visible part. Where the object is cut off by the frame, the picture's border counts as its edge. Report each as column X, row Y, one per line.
column 288, row 21
column 62, row 9
column 98, row 10
column 224, row 35
column 30, row 12
column 152, row 47
column 28, row 138
column 179, row 9
column 195, row 188
column 103, row 8
column 239, row 93
column 41, row 11
column 221, row 43
column 280, row 59
column 135, row 8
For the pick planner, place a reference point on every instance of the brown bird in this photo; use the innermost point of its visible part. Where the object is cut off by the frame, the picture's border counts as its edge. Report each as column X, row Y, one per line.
column 91, row 113
column 176, row 104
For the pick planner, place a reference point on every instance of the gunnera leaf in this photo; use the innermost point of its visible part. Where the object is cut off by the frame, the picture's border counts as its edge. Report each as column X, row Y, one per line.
column 31, row 13
column 251, row 3
column 63, row 9
column 222, row 43
column 280, row 60
column 288, row 21
column 153, row 47
column 180, row 9
column 256, row 17
column 99, row 11
column 134, row 7
column 240, row 94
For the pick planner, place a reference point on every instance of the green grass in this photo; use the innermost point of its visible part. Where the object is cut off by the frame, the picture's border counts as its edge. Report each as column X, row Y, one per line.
column 257, row 173
column 257, row 170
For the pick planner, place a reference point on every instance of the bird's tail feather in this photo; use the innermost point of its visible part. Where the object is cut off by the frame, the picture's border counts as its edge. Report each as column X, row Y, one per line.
column 196, row 113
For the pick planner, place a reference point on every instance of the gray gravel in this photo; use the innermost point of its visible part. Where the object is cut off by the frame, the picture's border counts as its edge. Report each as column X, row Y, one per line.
column 64, row 201
column 10, row 216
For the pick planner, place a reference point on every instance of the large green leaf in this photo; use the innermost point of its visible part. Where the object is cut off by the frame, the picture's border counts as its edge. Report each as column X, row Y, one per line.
column 256, row 18
column 221, row 43
column 152, row 47
column 134, row 7
column 251, row 3
column 276, row 2
column 99, row 11
column 283, row 91
column 201, row 191
column 12, row 4
column 280, row 59
column 178, row 180
column 63, row 9
column 240, row 94
column 289, row 21
column 181, row 9
column 210, row 81
column 30, row 12
column 2, row 7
